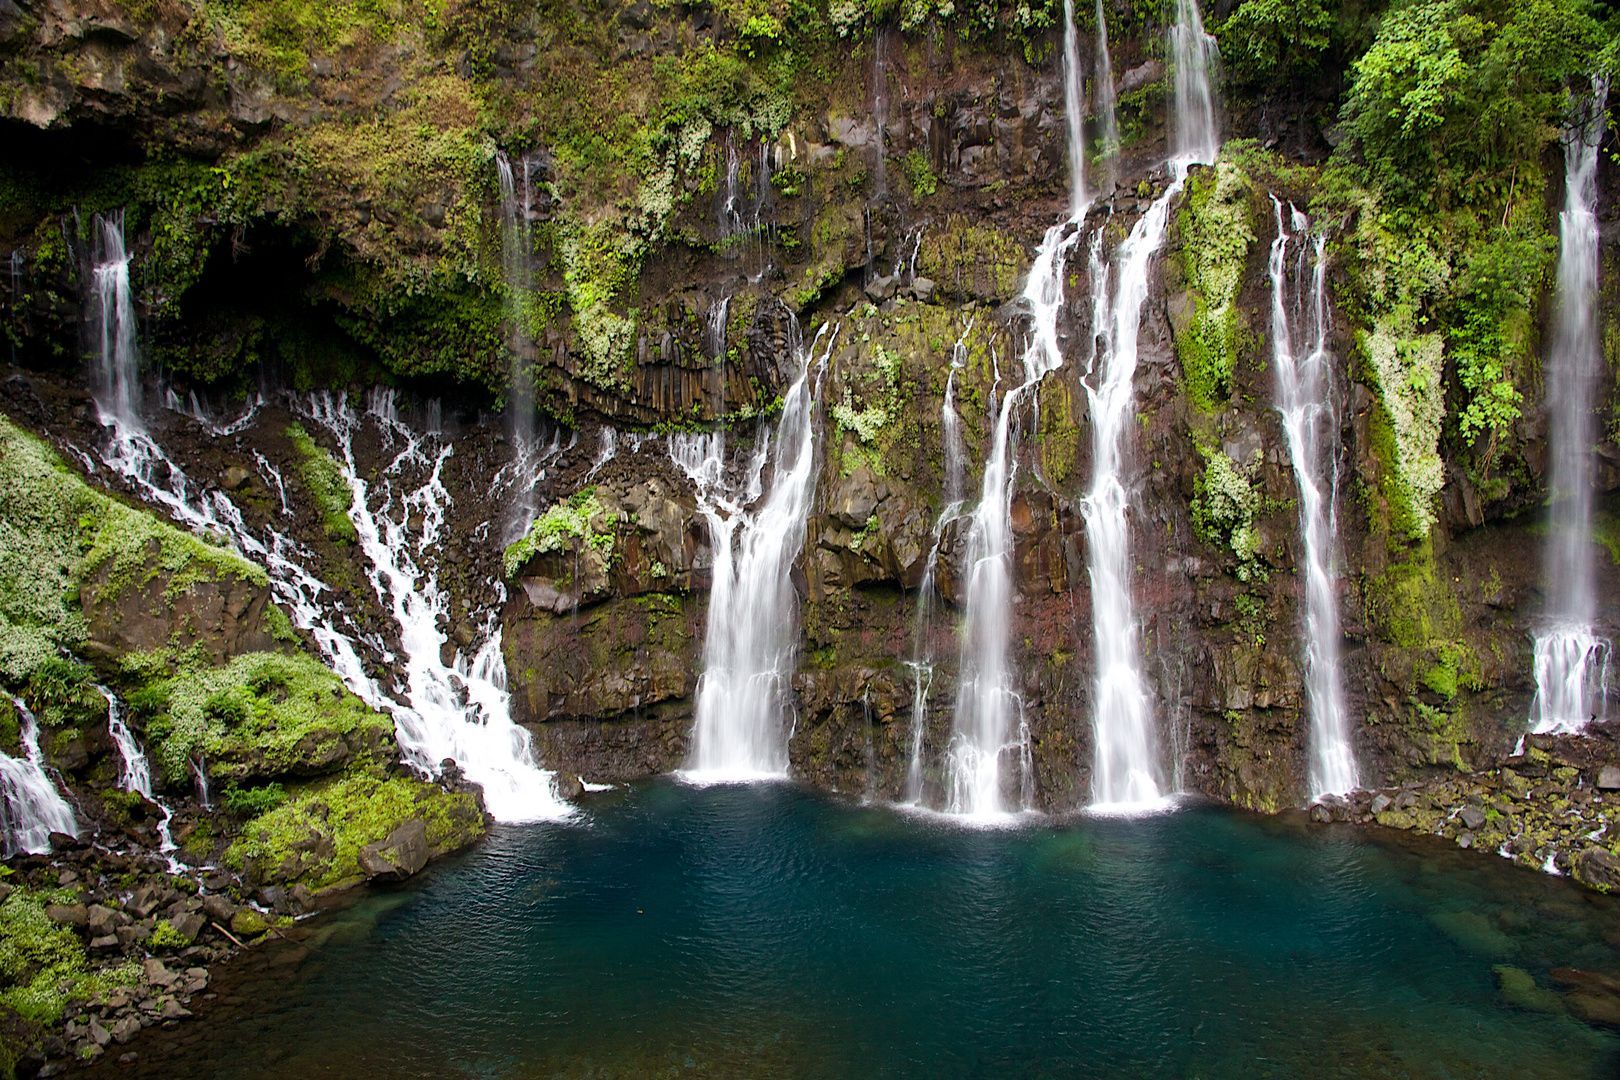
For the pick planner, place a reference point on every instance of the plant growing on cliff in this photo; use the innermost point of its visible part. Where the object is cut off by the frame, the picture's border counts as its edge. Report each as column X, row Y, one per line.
column 1226, row 508
column 580, row 517
column 324, row 481
column 1215, row 235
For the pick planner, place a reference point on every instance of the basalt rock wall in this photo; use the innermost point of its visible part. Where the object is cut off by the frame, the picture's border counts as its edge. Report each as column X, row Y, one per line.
column 325, row 213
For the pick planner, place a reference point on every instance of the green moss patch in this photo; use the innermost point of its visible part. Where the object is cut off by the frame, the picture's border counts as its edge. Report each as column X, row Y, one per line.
column 43, row 964
column 323, row 480
column 262, row 715
column 57, row 533
column 316, row 838
column 1216, row 231
column 562, row 524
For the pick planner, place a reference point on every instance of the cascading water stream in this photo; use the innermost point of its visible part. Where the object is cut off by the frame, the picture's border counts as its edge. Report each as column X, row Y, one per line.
column 117, row 378
column 748, row 649
column 922, row 657
column 1571, row 659
column 1105, row 105
column 1303, row 385
column 460, row 711
column 1074, row 111
column 30, row 806
column 987, row 701
column 1126, row 772
column 134, row 770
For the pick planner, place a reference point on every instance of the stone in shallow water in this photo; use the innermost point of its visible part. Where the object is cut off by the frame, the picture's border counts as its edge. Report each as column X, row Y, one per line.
column 1519, row 989
column 1598, row 869
column 1592, row 995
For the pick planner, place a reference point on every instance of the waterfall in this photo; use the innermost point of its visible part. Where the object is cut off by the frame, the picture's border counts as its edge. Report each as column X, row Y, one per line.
column 1303, row 385
column 134, row 771
column 922, row 657
column 1126, row 773
column 30, row 806
column 1571, row 660
column 986, row 699
column 748, row 647
column 117, row 378
column 1074, row 112
column 1106, row 105
column 517, row 254
column 880, row 107
column 1194, row 58
column 458, row 711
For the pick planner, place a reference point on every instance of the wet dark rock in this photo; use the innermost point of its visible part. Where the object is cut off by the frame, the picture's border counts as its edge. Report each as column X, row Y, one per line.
column 404, row 852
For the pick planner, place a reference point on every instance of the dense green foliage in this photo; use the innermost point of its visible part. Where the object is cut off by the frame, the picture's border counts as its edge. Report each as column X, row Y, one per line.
column 1450, row 115
column 262, row 715
column 57, row 534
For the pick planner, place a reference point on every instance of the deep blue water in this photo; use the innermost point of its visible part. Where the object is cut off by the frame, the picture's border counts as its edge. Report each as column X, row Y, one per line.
column 771, row 931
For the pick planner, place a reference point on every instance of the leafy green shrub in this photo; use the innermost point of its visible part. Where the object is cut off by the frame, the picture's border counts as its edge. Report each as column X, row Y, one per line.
column 563, row 523
column 251, row 802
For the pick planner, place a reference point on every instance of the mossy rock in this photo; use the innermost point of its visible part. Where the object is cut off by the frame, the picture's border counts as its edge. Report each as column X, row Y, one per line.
column 316, row 838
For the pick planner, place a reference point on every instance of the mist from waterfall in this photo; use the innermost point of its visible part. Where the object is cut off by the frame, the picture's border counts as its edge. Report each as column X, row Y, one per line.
column 1303, row 398
column 1126, row 772
column 744, row 700
column 1571, row 658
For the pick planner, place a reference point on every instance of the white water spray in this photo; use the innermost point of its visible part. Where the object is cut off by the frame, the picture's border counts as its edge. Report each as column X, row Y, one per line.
column 1303, row 384
column 1571, row 659
column 461, row 711
column 743, row 698
column 30, row 806
column 134, row 770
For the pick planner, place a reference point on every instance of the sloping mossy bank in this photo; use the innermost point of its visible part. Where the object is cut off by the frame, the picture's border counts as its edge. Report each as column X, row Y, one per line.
column 309, row 791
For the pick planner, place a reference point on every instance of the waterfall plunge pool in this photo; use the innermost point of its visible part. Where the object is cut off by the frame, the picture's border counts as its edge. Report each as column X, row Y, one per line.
column 773, row 931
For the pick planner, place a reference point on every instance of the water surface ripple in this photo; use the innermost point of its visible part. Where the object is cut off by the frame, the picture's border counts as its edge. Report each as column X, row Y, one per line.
column 769, row 931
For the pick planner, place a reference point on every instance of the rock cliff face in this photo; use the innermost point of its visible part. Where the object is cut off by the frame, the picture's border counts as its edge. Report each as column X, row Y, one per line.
column 694, row 193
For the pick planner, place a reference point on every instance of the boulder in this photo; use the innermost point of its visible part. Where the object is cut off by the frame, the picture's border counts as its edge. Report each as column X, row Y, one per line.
column 1597, row 868
column 1472, row 816
column 404, row 852
column 1381, row 803
column 1591, row 995
column 76, row 915
column 189, row 925
column 248, row 923
column 1609, row 778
